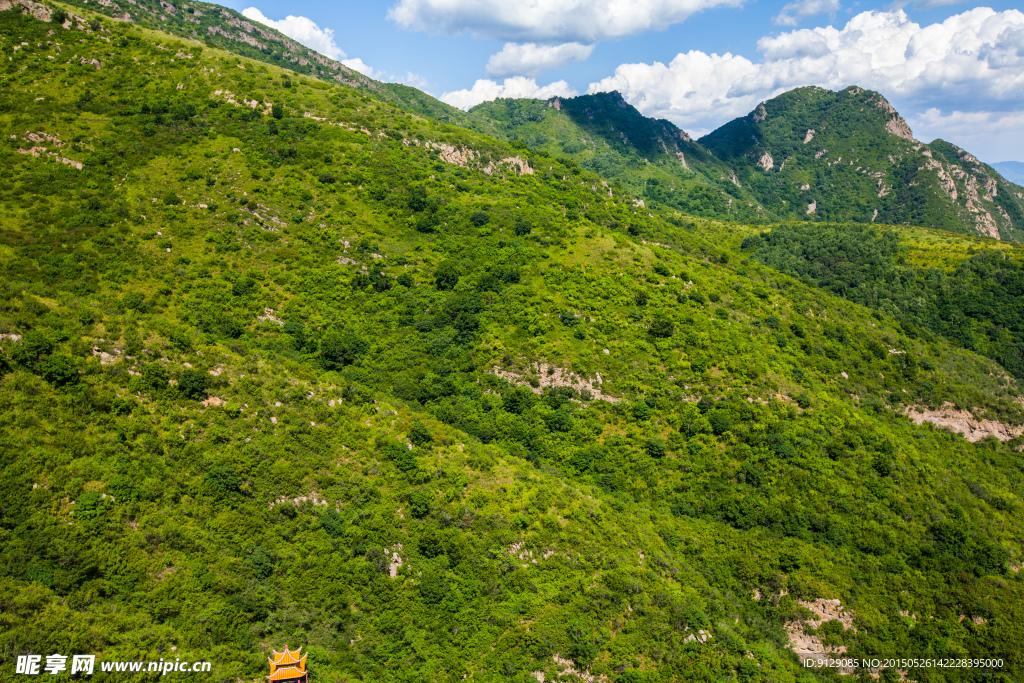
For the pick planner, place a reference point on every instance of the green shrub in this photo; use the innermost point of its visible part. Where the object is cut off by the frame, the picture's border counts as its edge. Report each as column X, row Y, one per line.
column 332, row 523
column 419, row 435
column 447, row 275
column 338, row 349
column 89, row 505
column 192, row 384
column 661, row 326
column 154, row 376
column 398, row 453
column 419, row 503
column 59, row 370
column 655, row 447
column 221, row 481
column 35, row 345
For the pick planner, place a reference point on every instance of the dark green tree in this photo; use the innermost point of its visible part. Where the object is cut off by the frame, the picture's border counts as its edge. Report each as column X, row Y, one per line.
column 338, row 349
column 192, row 383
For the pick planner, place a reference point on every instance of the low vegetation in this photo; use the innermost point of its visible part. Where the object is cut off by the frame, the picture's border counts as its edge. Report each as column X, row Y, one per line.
column 285, row 364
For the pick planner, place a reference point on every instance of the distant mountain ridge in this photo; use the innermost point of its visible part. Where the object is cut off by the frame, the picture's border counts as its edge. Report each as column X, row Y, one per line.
column 809, row 154
column 1011, row 170
column 650, row 157
column 850, row 156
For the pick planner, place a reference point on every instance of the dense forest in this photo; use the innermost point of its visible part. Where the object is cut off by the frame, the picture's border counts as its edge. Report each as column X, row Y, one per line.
column 979, row 306
column 284, row 364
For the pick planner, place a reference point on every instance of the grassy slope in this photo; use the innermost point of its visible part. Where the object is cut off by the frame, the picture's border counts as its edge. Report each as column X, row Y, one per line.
column 217, row 26
column 662, row 516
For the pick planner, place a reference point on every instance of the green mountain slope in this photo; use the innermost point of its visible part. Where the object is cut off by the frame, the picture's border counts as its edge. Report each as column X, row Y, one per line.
column 292, row 365
column 729, row 175
column 977, row 305
column 651, row 158
column 849, row 156
column 217, row 26
column 937, row 185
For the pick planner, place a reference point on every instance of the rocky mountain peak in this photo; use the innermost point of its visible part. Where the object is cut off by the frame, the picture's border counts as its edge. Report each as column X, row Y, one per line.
column 895, row 124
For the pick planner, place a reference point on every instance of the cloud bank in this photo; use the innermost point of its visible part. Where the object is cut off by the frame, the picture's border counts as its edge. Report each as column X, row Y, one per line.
column 519, row 87
column 531, row 59
column 971, row 62
column 584, row 21
column 357, row 64
column 991, row 136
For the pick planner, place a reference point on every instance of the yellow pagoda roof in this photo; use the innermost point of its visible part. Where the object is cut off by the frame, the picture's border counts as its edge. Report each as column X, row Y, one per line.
column 287, row 673
column 287, row 658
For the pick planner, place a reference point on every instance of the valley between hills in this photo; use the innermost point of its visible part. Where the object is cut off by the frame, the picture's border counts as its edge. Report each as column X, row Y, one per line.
column 540, row 391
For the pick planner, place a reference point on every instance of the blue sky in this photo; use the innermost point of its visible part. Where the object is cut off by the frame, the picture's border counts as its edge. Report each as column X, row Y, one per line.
column 954, row 69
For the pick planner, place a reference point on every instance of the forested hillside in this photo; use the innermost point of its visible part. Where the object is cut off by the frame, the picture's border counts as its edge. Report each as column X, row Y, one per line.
column 282, row 363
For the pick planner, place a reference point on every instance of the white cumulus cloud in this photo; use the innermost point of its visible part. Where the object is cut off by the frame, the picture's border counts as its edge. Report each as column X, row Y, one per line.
column 357, row 64
column 412, row 80
column 692, row 89
column 990, row 135
column 792, row 13
column 519, row 87
column 530, row 59
column 972, row 61
column 302, row 29
column 584, row 21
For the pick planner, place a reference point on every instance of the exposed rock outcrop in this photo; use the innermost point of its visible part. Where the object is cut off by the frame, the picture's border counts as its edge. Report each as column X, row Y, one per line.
column 808, row 646
column 37, row 10
column 568, row 668
column 554, row 376
column 450, row 154
column 516, row 163
column 964, row 422
column 895, row 124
